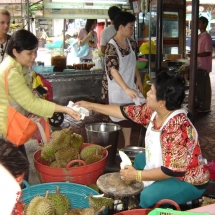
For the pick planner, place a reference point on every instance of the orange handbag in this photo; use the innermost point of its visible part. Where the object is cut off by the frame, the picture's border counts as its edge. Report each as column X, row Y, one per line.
column 19, row 127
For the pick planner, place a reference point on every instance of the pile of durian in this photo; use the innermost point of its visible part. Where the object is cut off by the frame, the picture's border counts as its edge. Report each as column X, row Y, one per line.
column 59, row 204
column 65, row 147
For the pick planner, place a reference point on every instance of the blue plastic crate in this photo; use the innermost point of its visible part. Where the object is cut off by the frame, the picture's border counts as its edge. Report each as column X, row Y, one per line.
column 75, row 192
column 43, row 69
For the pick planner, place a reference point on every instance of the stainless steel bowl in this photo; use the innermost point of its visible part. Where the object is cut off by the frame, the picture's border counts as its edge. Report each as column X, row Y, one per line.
column 132, row 151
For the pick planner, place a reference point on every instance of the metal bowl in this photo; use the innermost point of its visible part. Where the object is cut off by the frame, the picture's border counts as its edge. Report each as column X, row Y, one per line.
column 132, row 151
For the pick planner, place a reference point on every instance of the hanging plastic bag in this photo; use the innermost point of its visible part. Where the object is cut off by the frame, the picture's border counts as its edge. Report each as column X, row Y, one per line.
column 146, row 86
column 144, row 48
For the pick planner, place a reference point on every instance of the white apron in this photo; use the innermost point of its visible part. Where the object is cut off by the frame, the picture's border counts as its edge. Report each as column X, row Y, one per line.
column 153, row 149
column 127, row 67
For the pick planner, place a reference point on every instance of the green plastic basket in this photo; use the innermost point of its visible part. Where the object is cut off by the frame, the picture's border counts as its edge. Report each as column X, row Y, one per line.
column 75, row 192
column 160, row 211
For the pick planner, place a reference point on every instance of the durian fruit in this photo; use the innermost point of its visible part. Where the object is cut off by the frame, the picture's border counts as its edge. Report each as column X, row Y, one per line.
column 98, row 201
column 47, row 152
column 40, row 205
column 61, row 138
column 60, row 201
column 75, row 211
column 66, row 154
column 25, row 207
column 93, row 159
column 77, row 141
column 58, row 164
column 90, row 150
column 94, row 186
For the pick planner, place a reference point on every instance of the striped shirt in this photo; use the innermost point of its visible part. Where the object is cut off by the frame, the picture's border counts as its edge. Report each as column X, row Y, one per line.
column 20, row 93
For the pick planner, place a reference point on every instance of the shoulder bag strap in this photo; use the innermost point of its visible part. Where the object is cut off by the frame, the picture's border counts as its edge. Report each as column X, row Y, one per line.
column 6, row 80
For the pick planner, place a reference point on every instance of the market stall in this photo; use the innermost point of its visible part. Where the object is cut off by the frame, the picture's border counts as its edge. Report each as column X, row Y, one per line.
column 77, row 85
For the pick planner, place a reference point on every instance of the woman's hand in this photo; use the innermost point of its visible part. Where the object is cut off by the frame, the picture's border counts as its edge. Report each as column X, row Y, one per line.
column 129, row 173
column 91, row 33
column 73, row 114
column 83, row 104
column 132, row 94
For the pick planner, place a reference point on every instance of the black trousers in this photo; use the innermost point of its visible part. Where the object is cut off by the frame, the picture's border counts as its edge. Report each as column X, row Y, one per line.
column 203, row 90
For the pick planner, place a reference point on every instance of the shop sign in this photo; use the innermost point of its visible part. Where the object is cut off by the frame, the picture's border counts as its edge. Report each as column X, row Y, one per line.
column 76, row 13
column 170, row 16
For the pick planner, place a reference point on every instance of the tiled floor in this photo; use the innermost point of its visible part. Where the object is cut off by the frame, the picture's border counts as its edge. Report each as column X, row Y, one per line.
column 205, row 125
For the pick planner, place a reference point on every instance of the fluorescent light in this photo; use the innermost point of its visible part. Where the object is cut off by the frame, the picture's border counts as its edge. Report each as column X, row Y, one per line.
column 93, row 1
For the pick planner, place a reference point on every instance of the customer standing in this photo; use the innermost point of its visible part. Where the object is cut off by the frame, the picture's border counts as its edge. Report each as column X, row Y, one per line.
column 121, row 70
column 205, row 49
column 110, row 31
column 107, row 34
column 4, row 28
column 88, row 35
column 21, row 54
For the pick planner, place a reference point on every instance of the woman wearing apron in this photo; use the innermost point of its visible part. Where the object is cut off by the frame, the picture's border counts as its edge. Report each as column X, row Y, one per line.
column 172, row 166
column 121, row 70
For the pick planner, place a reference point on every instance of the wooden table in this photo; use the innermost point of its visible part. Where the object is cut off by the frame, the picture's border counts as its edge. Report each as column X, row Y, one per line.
column 113, row 186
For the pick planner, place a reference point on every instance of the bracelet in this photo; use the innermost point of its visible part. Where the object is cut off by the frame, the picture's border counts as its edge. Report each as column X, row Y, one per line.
column 139, row 176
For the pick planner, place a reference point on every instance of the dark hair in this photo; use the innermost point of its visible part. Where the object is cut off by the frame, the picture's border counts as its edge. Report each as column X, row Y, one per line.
column 21, row 40
column 89, row 24
column 171, row 89
column 123, row 18
column 12, row 158
column 204, row 20
column 112, row 11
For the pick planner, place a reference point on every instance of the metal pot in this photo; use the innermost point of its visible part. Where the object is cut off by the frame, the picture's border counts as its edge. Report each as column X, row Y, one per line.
column 132, row 151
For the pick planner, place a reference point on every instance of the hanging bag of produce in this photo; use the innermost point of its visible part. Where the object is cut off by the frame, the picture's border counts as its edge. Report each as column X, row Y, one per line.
column 19, row 127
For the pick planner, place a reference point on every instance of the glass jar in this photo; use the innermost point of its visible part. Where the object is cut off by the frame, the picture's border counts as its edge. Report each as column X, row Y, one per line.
column 58, row 59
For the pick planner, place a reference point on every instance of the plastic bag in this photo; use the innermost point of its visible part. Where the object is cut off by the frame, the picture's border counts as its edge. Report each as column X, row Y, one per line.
column 80, row 51
column 99, row 63
column 144, row 48
column 146, row 87
column 211, row 168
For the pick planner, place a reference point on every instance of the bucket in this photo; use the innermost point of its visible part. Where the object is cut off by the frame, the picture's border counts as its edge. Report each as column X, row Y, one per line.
column 104, row 134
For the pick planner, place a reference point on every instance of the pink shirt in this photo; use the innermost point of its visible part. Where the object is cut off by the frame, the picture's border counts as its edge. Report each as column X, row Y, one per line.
column 92, row 42
column 205, row 45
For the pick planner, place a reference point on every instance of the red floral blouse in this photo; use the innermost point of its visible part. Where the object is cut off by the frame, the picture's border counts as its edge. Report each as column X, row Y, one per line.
column 181, row 153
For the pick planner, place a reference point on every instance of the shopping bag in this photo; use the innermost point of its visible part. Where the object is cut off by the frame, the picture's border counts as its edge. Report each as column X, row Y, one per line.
column 48, row 85
column 42, row 133
column 38, row 80
column 19, row 128
column 146, row 87
column 81, row 51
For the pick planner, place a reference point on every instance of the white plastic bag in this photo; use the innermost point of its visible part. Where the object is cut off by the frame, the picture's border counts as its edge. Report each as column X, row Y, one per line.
column 99, row 63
